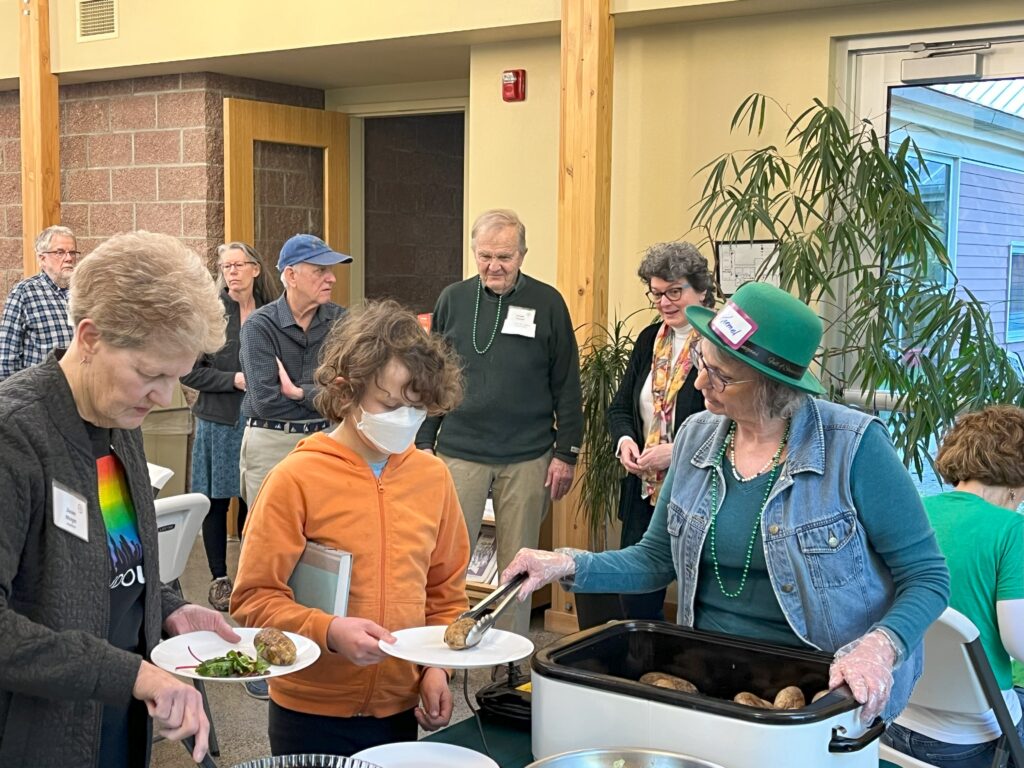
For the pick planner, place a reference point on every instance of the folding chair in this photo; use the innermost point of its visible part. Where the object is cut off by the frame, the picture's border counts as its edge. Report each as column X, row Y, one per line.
column 178, row 520
column 958, row 678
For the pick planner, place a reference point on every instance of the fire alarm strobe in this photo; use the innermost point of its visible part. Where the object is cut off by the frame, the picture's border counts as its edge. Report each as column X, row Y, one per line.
column 513, row 85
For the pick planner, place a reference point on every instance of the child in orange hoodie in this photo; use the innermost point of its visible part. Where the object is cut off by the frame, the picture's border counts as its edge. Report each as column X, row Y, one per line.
column 365, row 489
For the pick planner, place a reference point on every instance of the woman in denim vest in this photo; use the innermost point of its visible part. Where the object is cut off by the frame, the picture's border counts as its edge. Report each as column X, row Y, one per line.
column 784, row 518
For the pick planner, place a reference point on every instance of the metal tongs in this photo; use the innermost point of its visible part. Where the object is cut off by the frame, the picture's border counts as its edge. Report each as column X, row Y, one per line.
column 487, row 610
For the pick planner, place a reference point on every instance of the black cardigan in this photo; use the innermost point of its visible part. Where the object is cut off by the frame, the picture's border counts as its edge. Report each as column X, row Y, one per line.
column 214, row 375
column 624, row 412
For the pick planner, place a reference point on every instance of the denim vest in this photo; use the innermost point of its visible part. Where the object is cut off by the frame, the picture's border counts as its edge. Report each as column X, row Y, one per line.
column 832, row 586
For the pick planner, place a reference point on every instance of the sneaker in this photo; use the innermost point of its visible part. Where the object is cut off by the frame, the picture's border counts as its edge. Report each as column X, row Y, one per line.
column 258, row 689
column 220, row 593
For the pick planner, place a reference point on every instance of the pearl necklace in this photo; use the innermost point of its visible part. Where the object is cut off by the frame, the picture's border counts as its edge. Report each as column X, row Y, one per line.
column 730, row 440
column 712, row 532
column 476, row 314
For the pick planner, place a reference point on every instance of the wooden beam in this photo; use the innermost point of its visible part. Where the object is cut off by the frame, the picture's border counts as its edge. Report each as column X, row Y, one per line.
column 40, row 129
column 584, row 210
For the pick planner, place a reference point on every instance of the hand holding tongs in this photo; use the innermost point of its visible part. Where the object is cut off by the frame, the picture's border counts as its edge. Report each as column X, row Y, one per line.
column 487, row 610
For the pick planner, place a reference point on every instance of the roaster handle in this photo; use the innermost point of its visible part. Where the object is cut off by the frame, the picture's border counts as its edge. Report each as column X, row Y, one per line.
column 842, row 744
column 189, row 743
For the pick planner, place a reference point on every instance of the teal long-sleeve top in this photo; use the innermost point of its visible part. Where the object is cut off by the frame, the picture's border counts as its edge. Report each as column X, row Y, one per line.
column 879, row 484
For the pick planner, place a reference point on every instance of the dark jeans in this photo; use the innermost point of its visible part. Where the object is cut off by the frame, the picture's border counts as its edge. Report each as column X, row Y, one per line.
column 215, row 534
column 943, row 754
column 296, row 733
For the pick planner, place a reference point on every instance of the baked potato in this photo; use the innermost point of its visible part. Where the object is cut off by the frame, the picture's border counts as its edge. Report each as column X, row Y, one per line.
column 663, row 680
column 751, row 700
column 455, row 635
column 790, row 697
column 275, row 647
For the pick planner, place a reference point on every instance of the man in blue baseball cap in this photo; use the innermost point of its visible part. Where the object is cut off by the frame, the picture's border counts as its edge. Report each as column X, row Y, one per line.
column 280, row 347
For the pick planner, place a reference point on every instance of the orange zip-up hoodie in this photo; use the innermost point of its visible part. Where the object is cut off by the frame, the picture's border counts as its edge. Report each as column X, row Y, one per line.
column 409, row 548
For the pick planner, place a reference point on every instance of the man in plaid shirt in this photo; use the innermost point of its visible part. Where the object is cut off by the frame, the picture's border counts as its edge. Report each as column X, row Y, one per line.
column 35, row 317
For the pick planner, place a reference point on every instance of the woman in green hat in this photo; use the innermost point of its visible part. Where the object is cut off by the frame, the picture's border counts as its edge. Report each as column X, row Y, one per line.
column 783, row 517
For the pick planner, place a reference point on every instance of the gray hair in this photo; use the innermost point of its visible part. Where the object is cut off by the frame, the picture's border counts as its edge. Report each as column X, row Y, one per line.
column 45, row 237
column 143, row 288
column 775, row 400
column 264, row 288
column 679, row 261
column 498, row 217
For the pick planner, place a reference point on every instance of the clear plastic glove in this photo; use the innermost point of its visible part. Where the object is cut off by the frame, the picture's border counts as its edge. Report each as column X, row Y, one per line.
column 542, row 568
column 865, row 665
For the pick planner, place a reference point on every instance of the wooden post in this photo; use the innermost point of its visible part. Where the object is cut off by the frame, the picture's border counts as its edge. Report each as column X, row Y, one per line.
column 40, row 129
column 584, row 211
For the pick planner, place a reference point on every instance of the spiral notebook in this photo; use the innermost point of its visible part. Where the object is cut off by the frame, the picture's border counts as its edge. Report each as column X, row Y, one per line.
column 322, row 578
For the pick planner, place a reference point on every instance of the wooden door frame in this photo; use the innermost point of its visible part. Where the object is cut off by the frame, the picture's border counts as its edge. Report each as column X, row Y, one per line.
column 245, row 123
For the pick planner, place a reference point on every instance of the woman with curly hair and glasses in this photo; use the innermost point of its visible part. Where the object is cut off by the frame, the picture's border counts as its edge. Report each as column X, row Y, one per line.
column 656, row 395
column 365, row 489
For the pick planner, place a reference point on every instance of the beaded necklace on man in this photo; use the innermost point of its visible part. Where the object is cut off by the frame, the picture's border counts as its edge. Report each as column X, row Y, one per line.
column 476, row 315
column 773, row 464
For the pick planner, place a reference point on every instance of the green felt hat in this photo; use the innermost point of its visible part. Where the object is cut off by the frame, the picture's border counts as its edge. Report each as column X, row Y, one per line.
column 768, row 329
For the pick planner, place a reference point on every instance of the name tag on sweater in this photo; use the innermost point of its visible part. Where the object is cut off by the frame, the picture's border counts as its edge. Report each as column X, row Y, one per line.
column 519, row 322
column 70, row 511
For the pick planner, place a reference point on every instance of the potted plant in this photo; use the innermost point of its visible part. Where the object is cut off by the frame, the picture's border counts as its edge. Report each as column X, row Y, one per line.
column 603, row 360
column 849, row 221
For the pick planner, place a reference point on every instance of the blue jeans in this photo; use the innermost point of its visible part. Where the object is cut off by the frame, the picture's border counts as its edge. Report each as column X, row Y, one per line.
column 942, row 753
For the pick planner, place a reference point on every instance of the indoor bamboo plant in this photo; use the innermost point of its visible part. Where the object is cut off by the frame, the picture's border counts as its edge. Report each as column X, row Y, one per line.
column 856, row 241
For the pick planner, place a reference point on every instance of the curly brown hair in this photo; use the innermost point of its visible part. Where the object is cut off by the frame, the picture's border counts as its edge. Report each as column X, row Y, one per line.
column 362, row 343
column 986, row 446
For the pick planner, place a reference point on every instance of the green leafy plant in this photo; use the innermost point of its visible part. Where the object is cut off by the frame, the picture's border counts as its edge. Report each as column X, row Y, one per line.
column 604, row 357
column 856, row 240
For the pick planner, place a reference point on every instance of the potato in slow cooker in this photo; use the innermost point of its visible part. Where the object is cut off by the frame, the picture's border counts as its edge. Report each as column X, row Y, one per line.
column 664, row 680
column 275, row 647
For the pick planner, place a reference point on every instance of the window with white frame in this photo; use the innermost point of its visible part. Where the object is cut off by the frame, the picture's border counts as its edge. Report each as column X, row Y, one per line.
column 1015, row 294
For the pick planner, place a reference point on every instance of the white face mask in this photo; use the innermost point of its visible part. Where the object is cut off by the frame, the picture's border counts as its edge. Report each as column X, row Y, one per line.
column 393, row 431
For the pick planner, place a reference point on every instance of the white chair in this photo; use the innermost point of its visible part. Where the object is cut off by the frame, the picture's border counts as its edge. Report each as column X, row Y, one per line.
column 178, row 520
column 958, row 678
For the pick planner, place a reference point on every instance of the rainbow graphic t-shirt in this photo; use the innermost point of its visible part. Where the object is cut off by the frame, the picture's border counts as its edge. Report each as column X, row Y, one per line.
column 126, row 578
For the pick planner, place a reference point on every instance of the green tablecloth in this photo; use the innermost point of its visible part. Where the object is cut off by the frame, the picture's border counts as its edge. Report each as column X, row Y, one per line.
column 510, row 748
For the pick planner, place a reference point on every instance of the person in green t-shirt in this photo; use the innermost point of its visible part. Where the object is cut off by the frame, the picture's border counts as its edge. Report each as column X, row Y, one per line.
column 981, row 534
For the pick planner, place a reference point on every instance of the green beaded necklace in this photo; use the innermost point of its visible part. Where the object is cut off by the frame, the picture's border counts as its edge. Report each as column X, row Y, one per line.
column 730, row 438
column 476, row 314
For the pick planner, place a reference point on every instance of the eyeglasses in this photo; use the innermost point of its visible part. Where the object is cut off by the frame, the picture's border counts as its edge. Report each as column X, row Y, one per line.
column 717, row 381
column 234, row 266
column 674, row 293
column 61, row 253
column 502, row 258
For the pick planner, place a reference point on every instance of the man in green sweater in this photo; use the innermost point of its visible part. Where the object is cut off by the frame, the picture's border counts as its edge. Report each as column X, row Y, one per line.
column 520, row 424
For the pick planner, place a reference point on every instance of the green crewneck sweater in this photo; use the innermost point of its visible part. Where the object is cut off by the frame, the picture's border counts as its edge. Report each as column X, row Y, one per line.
column 522, row 396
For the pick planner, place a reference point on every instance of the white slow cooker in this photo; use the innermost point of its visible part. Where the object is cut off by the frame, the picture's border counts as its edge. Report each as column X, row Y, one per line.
column 586, row 694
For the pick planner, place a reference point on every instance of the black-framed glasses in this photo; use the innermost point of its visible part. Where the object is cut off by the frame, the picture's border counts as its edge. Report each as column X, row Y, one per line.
column 61, row 253
column 234, row 266
column 716, row 379
column 674, row 293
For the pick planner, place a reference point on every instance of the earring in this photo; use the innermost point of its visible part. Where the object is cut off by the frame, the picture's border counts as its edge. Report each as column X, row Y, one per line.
column 1013, row 495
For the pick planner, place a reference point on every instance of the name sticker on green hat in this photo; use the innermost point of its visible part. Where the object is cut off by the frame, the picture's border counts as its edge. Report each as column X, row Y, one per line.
column 733, row 326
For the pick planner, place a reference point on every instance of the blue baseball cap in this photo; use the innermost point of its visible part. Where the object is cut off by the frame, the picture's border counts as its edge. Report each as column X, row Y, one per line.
column 310, row 249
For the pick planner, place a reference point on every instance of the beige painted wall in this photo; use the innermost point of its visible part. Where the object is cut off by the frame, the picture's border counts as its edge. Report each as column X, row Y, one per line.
column 676, row 89
column 512, row 148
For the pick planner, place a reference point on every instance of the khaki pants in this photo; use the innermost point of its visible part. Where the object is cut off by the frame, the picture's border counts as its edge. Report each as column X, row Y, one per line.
column 262, row 449
column 521, row 502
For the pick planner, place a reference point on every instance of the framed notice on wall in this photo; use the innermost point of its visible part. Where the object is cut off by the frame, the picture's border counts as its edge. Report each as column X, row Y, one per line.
column 737, row 263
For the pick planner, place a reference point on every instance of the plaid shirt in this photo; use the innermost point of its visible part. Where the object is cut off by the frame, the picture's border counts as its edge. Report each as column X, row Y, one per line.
column 34, row 321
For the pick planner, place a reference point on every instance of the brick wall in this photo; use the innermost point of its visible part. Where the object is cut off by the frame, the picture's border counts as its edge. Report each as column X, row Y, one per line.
column 413, row 198
column 144, row 153
column 288, row 185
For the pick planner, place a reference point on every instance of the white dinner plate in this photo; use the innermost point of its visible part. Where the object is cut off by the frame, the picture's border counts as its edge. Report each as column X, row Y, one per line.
column 174, row 656
column 424, row 754
column 426, row 646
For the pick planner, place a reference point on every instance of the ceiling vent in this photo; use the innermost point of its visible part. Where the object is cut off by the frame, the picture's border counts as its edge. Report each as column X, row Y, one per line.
column 97, row 20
